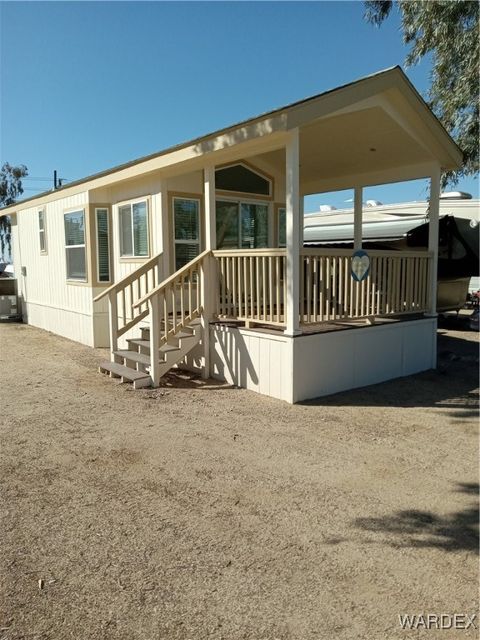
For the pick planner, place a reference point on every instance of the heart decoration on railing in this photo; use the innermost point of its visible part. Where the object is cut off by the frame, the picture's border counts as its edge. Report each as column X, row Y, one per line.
column 360, row 265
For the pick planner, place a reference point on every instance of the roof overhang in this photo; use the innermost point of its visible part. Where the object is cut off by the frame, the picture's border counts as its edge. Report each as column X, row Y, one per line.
column 337, row 128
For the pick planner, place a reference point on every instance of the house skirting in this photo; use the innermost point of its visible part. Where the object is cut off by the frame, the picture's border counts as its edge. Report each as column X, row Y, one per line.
column 310, row 366
column 67, row 323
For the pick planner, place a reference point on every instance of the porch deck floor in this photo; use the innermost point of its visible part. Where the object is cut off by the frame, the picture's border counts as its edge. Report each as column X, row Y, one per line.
column 321, row 327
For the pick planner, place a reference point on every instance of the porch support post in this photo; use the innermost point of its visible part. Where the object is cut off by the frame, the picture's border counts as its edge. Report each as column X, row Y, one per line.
column 293, row 233
column 164, row 218
column 301, row 217
column 433, row 216
column 208, row 270
column 209, row 194
column 357, row 218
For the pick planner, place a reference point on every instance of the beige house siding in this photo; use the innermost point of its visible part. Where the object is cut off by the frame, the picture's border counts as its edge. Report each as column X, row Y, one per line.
column 49, row 300
column 52, row 302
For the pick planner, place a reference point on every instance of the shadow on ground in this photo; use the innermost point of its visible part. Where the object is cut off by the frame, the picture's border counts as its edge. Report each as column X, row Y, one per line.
column 453, row 385
column 421, row 529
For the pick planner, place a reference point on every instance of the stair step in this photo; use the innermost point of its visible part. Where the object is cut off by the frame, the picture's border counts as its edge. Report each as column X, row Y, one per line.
column 184, row 334
column 138, row 342
column 168, row 347
column 134, row 356
column 139, row 378
column 192, row 323
column 165, row 348
column 170, row 323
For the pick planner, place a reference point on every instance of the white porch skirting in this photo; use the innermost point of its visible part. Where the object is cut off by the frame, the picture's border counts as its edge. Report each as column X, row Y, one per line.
column 309, row 366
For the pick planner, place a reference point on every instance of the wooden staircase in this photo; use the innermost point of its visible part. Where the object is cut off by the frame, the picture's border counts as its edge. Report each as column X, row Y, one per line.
column 175, row 311
column 134, row 364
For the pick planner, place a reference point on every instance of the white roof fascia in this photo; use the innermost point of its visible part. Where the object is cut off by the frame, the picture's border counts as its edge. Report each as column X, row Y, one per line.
column 259, row 136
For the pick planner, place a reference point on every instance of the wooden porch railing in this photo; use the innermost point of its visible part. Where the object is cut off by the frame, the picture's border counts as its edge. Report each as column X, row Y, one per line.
column 397, row 284
column 173, row 304
column 178, row 299
column 252, row 285
column 124, row 294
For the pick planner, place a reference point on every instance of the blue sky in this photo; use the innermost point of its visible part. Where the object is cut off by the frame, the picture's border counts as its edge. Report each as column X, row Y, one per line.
column 88, row 85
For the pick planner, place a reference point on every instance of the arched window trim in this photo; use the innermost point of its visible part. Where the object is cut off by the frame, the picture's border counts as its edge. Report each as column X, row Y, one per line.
column 253, row 169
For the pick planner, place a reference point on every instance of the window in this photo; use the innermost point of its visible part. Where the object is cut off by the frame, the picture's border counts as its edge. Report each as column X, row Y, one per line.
column 186, row 217
column 133, row 230
column 75, row 245
column 42, row 232
column 241, row 179
column 241, row 225
column 282, row 227
column 103, row 245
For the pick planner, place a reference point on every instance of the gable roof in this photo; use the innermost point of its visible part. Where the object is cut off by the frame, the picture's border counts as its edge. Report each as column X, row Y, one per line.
column 296, row 114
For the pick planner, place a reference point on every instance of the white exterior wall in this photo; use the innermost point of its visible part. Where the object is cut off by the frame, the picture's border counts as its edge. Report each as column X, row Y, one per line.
column 49, row 301
column 147, row 187
column 150, row 188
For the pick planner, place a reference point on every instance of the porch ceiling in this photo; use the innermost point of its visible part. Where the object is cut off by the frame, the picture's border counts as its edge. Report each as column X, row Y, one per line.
column 367, row 145
column 356, row 143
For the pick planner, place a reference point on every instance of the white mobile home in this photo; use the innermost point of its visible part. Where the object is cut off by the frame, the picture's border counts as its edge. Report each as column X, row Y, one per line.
column 195, row 255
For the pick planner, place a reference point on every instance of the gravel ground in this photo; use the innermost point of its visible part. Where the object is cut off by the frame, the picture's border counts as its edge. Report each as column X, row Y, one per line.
column 200, row 511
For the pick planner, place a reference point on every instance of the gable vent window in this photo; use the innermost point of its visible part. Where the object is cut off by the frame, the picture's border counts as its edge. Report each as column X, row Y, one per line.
column 241, row 179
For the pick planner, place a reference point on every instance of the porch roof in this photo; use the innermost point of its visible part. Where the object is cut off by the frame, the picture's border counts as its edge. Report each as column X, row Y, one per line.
column 363, row 132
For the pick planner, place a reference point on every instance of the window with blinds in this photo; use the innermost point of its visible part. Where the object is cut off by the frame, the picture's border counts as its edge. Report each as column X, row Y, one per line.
column 75, row 245
column 103, row 245
column 134, row 230
column 42, row 232
column 254, row 226
column 241, row 225
column 186, row 216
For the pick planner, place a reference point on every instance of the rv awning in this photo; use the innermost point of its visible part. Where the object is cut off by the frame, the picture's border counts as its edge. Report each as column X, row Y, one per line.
column 378, row 230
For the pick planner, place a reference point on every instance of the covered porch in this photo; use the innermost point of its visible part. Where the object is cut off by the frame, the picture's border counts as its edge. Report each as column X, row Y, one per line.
column 257, row 301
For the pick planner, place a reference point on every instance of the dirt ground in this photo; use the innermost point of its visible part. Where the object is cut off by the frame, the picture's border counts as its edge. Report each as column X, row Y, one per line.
column 199, row 511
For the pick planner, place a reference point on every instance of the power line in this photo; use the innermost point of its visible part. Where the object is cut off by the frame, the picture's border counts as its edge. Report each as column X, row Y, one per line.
column 43, row 179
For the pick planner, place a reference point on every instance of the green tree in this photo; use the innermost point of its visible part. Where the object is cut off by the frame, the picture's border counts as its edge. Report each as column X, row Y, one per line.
column 448, row 30
column 10, row 188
